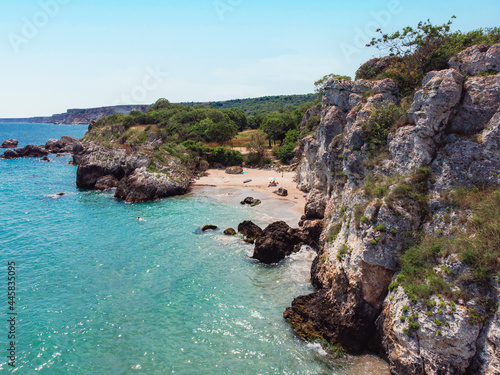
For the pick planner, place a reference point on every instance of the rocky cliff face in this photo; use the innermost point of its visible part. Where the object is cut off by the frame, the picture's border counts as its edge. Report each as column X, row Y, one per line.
column 140, row 173
column 375, row 199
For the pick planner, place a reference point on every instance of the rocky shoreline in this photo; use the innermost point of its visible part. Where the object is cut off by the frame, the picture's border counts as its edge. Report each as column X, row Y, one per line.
column 372, row 212
column 367, row 205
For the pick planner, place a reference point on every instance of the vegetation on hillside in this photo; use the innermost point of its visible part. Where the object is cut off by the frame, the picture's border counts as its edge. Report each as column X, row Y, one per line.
column 187, row 132
column 262, row 105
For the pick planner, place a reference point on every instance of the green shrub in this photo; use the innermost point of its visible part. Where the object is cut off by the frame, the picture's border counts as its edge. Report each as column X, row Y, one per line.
column 334, row 231
column 393, row 286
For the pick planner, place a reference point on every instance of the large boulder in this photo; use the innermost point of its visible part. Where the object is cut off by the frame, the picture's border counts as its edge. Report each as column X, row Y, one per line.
column 251, row 201
column 65, row 144
column 77, row 148
column 27, row 151
column 234, row 170
column 54, row 146
column 143, row 186
column 282, row 192
column 278, row 240
column 249, row 230
column 311, row 230
column 9, row 143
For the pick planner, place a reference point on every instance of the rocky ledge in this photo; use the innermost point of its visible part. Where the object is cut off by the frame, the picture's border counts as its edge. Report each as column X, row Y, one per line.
column 137, row 174
column 429, row 185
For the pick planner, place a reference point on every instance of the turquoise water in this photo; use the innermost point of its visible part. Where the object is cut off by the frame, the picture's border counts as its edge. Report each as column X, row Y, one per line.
column 99, row 292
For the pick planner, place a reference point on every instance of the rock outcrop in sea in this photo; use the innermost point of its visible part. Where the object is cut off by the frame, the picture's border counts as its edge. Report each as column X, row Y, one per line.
column 140, row 173
column 375, row 201
column 9, row 143
column 65, row 145
column 26, row 151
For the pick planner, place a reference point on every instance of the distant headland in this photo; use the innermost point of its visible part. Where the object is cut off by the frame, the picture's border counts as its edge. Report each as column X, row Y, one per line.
column 251, row 106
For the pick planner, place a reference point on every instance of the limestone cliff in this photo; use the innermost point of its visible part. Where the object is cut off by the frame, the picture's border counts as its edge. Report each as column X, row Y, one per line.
column 140, row 172
column 377, row 199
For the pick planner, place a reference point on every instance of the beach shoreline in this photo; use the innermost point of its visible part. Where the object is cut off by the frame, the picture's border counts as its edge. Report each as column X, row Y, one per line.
column 230, row 188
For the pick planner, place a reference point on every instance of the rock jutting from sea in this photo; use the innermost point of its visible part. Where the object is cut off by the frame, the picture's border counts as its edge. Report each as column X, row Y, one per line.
column 431, row 187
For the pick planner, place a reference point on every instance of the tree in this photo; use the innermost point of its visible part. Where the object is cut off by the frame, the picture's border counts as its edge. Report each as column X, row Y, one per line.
column 415, row 46
column 256, row 144
column 254, row 122
column 221, row 132
column 275, row 127
column 159, row 104
column 238, row 117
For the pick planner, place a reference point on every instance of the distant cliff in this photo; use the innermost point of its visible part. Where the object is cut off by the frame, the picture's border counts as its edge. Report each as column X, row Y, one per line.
column 80, row 116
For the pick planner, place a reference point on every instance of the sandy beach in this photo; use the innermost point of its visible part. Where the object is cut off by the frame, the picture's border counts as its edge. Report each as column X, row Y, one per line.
column 231, row 188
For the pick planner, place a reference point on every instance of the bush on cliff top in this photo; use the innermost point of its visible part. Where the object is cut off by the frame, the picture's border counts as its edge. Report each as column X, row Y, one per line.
column 421, row 49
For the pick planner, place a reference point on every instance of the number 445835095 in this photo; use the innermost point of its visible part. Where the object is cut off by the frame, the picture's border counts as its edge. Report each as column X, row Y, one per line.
column 11, row 286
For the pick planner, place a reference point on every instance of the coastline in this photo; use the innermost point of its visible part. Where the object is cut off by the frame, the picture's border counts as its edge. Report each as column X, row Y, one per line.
column 230, row 188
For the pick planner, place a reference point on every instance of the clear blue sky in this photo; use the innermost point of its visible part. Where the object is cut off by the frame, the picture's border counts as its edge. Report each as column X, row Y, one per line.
column 60, row 54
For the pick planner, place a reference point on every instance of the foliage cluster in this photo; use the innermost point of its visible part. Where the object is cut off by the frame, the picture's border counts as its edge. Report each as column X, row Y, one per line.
column 262, row 105
column 421, row 49
column 214, row 155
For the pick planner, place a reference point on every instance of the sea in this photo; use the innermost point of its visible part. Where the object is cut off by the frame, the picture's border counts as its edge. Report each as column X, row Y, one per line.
column 99, row 292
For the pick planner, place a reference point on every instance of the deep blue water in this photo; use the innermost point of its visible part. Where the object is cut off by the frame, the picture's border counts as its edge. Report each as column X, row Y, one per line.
column 98, row 292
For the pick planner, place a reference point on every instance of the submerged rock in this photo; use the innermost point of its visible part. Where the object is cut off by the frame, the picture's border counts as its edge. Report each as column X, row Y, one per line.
column 229, row 232
column 208, row 227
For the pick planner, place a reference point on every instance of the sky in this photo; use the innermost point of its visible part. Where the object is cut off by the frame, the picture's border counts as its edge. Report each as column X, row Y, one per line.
column 61, row 54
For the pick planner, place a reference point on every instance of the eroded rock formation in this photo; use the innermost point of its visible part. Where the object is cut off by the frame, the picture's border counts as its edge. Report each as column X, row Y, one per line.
column 373, row 204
